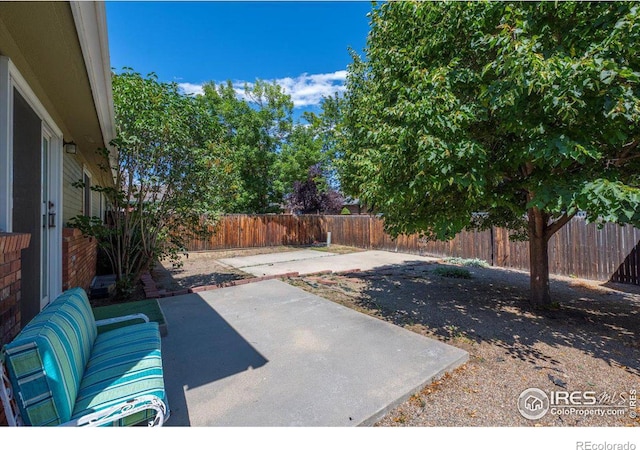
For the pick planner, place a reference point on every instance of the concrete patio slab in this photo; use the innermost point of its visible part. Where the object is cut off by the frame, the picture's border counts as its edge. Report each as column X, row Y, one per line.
column 360, row 260
column 270, row 354
column 271, row 258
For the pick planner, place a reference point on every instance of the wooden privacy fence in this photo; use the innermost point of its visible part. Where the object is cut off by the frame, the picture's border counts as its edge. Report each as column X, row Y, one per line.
column 578, row 249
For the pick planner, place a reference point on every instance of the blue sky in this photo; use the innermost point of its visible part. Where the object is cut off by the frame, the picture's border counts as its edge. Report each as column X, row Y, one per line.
column 301, row 45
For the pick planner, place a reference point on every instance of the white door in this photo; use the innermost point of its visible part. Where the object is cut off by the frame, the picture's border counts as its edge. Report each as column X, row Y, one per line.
column 48, row 221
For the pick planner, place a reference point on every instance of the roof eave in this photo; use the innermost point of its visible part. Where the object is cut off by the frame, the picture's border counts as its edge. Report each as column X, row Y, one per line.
column 91, row 25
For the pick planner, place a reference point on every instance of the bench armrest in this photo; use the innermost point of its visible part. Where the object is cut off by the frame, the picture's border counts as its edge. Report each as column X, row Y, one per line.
column 103, row 322
column 124, row 409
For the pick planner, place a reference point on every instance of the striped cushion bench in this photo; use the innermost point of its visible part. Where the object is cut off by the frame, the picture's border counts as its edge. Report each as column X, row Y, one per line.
column 60, row 371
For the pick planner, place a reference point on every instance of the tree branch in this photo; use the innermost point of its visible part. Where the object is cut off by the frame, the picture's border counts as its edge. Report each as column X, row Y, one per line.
column 624, row 154
column 619, row 161
column 555, row 226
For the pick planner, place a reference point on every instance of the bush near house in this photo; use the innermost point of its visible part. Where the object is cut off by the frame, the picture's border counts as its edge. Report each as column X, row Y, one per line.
column 170, row 174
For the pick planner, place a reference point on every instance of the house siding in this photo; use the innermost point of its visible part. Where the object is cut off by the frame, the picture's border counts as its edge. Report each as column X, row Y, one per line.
column 79, row 253
column 72, row 196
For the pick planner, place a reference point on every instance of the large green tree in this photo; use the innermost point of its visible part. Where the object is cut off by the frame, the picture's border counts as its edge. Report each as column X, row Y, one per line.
column 496, row 113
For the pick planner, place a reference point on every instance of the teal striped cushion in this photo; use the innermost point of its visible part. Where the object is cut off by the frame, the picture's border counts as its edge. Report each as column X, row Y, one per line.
column 46, row 360
column 125, row 362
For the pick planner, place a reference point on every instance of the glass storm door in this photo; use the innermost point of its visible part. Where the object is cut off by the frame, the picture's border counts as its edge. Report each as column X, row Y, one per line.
column 48, row 221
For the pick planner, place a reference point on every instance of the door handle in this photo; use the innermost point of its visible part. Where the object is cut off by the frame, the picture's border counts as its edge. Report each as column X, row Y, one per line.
column 52, row 216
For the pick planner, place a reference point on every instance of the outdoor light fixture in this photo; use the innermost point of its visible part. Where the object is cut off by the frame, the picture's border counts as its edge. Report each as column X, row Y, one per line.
column 70, row 147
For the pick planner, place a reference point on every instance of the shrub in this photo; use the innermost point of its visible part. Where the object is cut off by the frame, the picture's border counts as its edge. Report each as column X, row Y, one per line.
column 474, row 262
column 452, row 272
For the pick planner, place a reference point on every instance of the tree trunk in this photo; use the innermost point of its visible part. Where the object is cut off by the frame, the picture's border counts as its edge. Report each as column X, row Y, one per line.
column 539, row 262
column 539, row 258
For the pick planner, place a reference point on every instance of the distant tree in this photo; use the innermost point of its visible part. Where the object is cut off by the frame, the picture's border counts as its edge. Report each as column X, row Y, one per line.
column 302, row 150
column 256, row 123
column 311, row 144
column 524, row 112
column 313, row 196
column 326, row 126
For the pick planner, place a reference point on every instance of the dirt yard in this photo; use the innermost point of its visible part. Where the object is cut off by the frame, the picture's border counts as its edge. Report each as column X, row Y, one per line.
column 204, row 268
column 589, row 343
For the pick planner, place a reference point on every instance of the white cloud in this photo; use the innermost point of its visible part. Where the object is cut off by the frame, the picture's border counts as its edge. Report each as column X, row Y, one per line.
column 305, row 89
column 308, row 90
column 190, row 88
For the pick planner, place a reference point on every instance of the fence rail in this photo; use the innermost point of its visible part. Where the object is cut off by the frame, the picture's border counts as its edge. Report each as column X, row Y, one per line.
column 578, row 249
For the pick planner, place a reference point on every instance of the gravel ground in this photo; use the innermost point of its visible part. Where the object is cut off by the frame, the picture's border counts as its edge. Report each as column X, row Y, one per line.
column 589, row 343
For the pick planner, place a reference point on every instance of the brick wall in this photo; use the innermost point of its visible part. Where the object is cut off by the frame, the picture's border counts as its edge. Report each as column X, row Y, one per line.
column 11, row 246
column 79, row 258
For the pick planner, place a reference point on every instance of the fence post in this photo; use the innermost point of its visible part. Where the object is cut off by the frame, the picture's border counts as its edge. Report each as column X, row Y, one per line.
column 492, row 246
